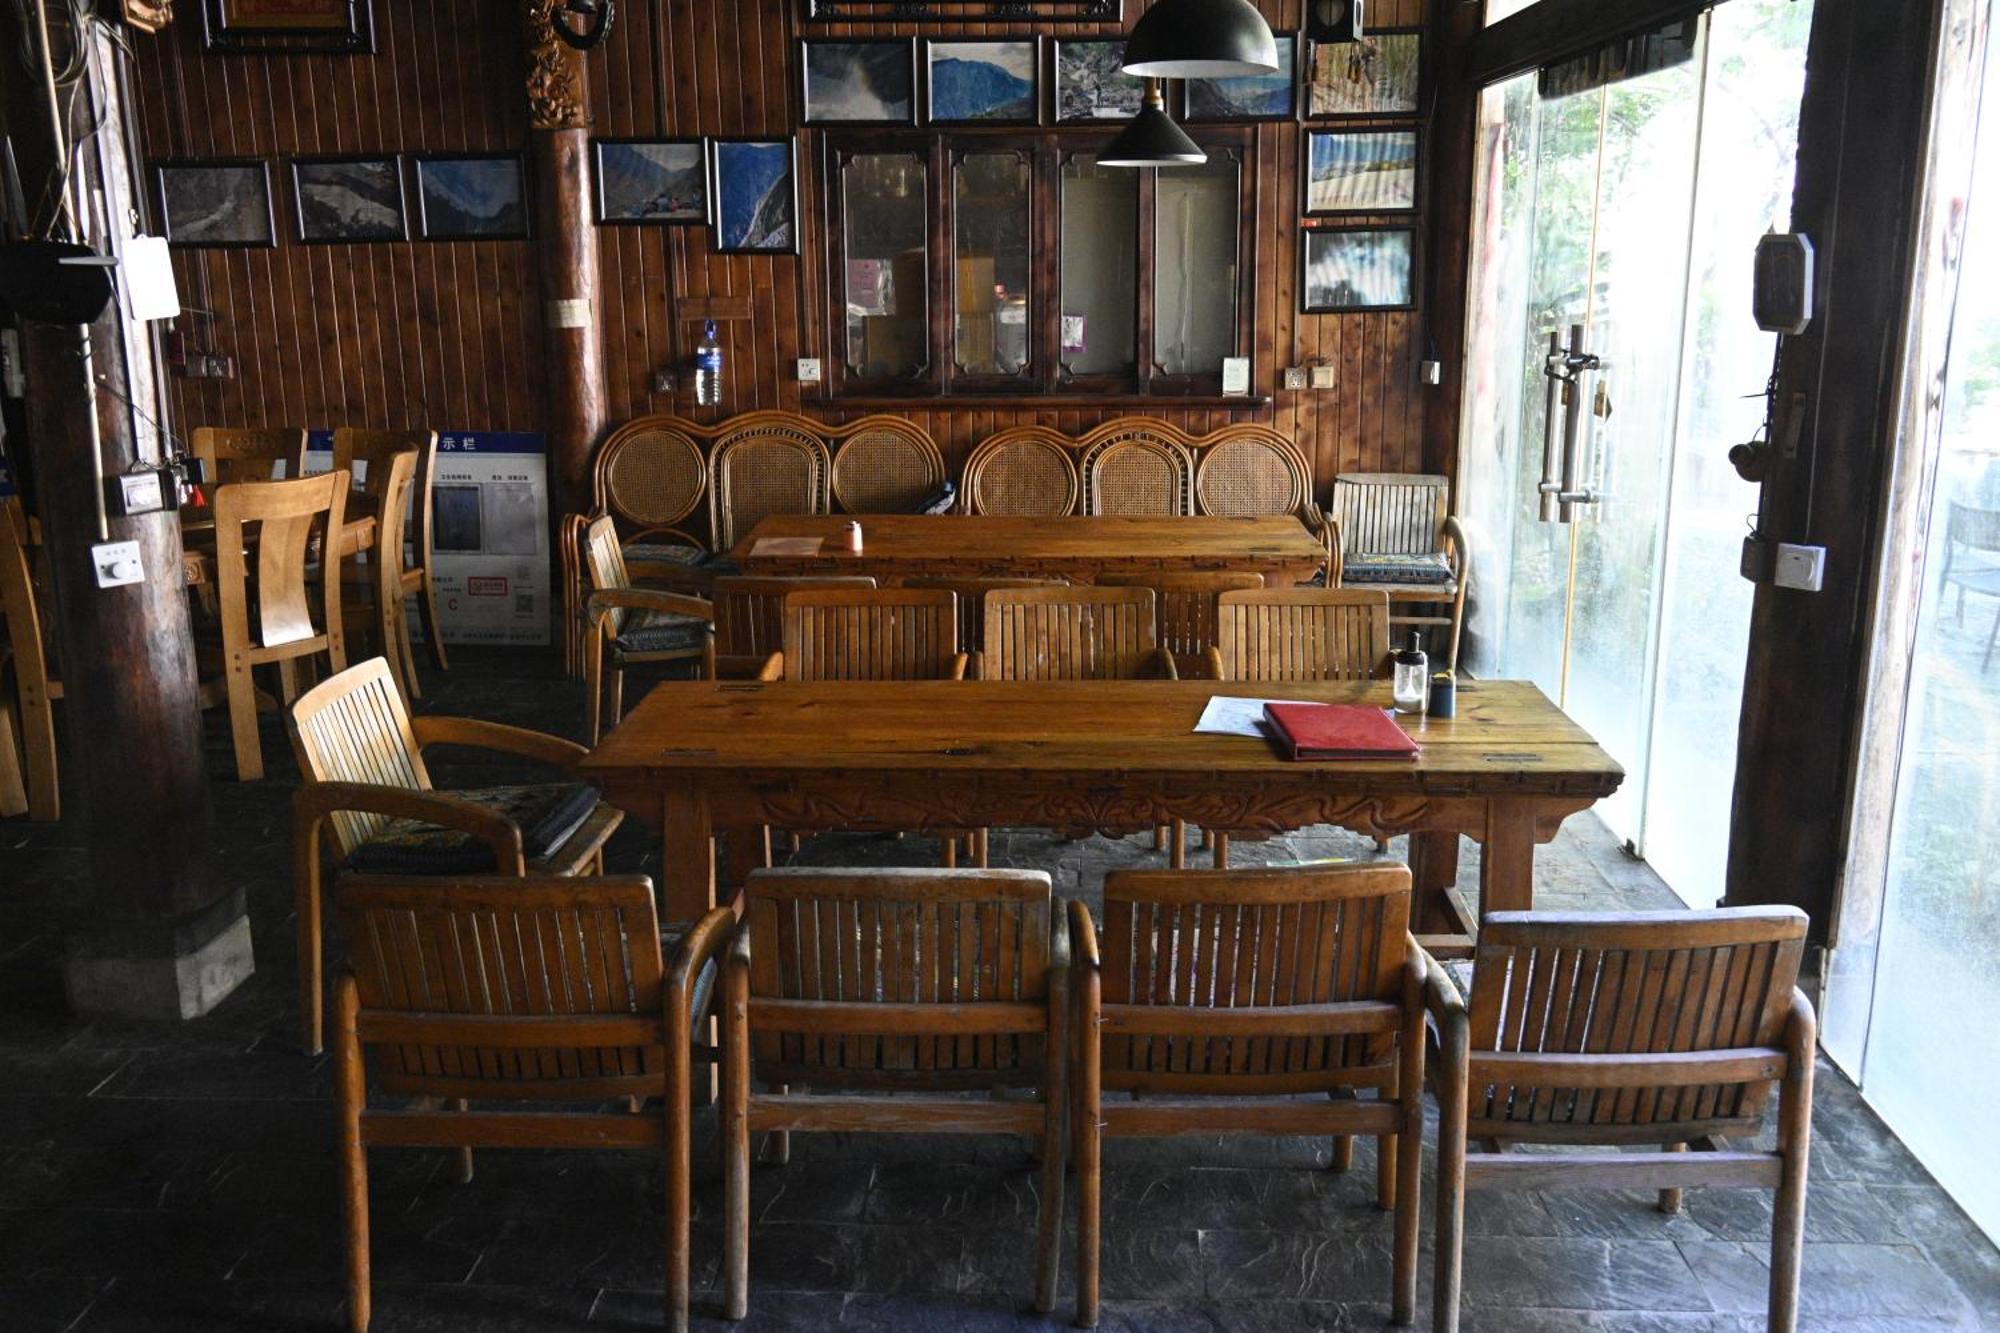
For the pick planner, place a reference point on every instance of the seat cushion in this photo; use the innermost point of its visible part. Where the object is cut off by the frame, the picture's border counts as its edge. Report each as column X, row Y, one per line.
column 1365, row 568
column 547, row 814
column 662, row 632
column 667, row 553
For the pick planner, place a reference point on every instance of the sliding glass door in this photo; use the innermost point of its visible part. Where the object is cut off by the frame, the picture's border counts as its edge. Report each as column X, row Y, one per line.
column 1613, row 363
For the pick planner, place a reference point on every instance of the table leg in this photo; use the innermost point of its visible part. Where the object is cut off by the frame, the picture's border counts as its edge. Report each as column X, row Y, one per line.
column 1507, row 858
column 687, row 856
column 1433, row 872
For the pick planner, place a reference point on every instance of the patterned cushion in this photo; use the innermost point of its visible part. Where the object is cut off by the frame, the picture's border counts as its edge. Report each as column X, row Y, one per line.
column 546, row 814
column 1432, row 568
column 664, row 553
column 941, row 500
column 662, row 632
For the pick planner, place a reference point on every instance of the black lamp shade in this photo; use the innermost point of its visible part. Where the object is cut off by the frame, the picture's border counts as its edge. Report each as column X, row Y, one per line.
column 1201, row 39
column 1151, row 139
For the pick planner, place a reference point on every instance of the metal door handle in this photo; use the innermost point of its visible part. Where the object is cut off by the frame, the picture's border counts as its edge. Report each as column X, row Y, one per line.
column 1564, row 368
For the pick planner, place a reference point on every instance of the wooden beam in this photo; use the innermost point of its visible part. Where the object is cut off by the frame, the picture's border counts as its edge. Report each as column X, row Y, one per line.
column 1552, row 30
column 1453, row 153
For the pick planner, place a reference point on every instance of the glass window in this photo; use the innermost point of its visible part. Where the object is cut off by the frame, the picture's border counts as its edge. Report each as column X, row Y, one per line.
column 883, row 223
column 990, row 212
column 1100, row 268
column 1196, row 216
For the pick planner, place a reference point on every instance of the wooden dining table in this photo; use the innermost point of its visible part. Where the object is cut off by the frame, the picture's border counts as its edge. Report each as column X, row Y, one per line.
column 896, row 547
column 697, row 758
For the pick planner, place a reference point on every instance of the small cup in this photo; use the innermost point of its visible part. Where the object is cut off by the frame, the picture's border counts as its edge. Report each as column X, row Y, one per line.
column 850, row 537
column 1444, row 695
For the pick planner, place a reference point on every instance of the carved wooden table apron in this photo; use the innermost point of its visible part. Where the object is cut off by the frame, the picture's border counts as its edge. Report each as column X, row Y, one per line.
column 903, row 546
column 698, row 757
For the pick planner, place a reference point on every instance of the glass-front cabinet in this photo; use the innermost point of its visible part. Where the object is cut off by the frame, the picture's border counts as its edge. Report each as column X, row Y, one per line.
column 1016, row 264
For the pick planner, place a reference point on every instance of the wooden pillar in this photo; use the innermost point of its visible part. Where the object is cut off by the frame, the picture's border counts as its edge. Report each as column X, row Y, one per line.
column 566, row 261
column 154, row 933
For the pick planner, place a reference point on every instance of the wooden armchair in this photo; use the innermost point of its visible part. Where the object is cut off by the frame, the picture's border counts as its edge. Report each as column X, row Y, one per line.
column 750, row 618
column 1393, row 531
column 381, row 574
column 1255, row 986
column 607, row 1016
column 30, row 709
column 361, row 756
column 871, row 634
column 1185, row 606
column 972, row 602
column 417, row 571
column 973, row 995
column 629, row 626
column 1621, row 1030
column 1072, row 633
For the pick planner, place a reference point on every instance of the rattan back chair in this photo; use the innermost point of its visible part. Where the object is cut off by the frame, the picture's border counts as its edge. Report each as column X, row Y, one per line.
column 1136, row 466
column 767, row 463
column 1026, row 472
column 885, row 465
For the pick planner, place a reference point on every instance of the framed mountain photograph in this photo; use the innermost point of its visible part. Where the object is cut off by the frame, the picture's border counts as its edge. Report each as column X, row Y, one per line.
column 1376, row 75
column 218, row 202
column 859, row 83
column 1359, row 171
column 659, row 181
column 986, row 83
column 1357, row 268
column 351, row 199
column 753, row 196
column 1090, row 85
column 1249, row 96
column 471, row 197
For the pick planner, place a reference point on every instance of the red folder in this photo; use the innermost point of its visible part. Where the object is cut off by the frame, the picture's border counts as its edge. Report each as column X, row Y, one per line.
column 1337, row 731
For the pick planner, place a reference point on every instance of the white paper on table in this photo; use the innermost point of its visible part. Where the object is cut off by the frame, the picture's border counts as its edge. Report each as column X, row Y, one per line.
column 1226, row 716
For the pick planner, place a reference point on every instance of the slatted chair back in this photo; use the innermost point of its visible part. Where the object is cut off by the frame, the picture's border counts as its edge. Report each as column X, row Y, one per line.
column 354, row 727
column 1137, row 467
column 237, row 454
column 376, row 447
column 972, row 601
column 651, row 473
column 1301, row 634
column 604, row 564
column 1250, row 471
column 885, row 465
column 272, row 607
column 1026, row 472
column 872, row 634
column 1556, row 992
column 1391, row 513
column 532, row 988
column 767, row 463
column 1253, row 949
column 1076, row 633
column 931, row 952
column 1186, row 607
column 750, row 613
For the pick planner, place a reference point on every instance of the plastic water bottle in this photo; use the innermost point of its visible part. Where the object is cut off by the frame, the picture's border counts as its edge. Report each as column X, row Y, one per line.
column 708, row 368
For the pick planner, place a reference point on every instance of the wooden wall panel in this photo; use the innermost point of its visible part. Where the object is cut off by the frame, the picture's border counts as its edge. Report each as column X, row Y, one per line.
column 396, row 334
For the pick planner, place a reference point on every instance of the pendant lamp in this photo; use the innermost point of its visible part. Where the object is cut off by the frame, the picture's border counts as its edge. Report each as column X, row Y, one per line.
column 1151, row 139
column 1201, row 39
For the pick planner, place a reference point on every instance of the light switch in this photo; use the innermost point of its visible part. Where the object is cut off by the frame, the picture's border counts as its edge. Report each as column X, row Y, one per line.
column 1322, row 377
column 1800, row 567
column 117, row 564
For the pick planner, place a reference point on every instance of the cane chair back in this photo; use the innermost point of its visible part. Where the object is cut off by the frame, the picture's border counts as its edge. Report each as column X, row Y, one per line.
column 972, row 601
column 1076, row 633
column 1026, row 472
column 1137, row 468
column 236, row 454
column 750, row 614
column 1250, row 471
column 651, row 473
column 1301, row 634
column 356, row 728
column 1185, row 607
column 902, row 949
column 1390, row 513
column 885, row 465
column 872, row 634
column 768, row 463
column 1560, row 997
column 1270, row 945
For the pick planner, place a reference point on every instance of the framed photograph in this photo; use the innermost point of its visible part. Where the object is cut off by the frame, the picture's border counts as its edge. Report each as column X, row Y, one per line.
column 349, row 199
column 989, row 83
column 217, row 202
column 339, row 27
column 1090, row 85
column 1378, row 75
column 753, row 196
column 472, row 197
column 859, row 83
column 658, row 181
column 1250, row 96
column 1359, row 171
column 1357, row 268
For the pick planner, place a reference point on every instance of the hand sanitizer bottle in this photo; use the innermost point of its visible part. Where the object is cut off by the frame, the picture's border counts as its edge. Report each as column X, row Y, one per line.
column 1413, row 677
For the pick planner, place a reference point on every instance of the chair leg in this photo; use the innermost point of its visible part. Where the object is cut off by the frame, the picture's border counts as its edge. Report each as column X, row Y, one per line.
column 778, row 1143
column 1450, row 1258
column 981, row 846
column 38, row 747
column 461, row 1158
column 305, row 906
column 1177, row 850
column 1670, row 1199
column 13, row 786
column 679, row 1138
column 736, row 1146
column 1221, row 841
column 1788, row 1209
column 433, row 636
column 617, row 695
column 1409, row 1186
column 1386, row 1153
column 948, row 844
column 243, row 720
column 408, row 650
column 593, row 686
column 351, row 1095
column 1088, row 1143
column 1049, row 1218
column 1343, row 1154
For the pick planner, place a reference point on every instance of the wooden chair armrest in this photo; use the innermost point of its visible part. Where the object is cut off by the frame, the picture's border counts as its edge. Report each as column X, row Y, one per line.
column 773, row 668
column 1458, row 546
column 739, row 947
column 1441, row 997
column 649, row 599
column 959, row 663
column 697, row 948
column 1801, row 1028
column 975, row 666
column 316, row 800
column 496, row 736
column 1163, row 665
column 1214, row 655
column 1082, row 941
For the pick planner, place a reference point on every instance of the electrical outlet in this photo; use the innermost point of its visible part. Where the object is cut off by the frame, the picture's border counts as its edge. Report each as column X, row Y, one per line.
column 1800, row 567
column 663, row 381
column 1322, row 377
column 1295, row 377
column 1432, row 372
column 809, row 370
column 117, row 564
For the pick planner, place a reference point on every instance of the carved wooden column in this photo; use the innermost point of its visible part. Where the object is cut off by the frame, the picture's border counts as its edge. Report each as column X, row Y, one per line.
column 153, row 932
column 566, row 255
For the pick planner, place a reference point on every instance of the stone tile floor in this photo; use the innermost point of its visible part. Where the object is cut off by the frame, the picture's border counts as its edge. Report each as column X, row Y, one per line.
column 156, row 1177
